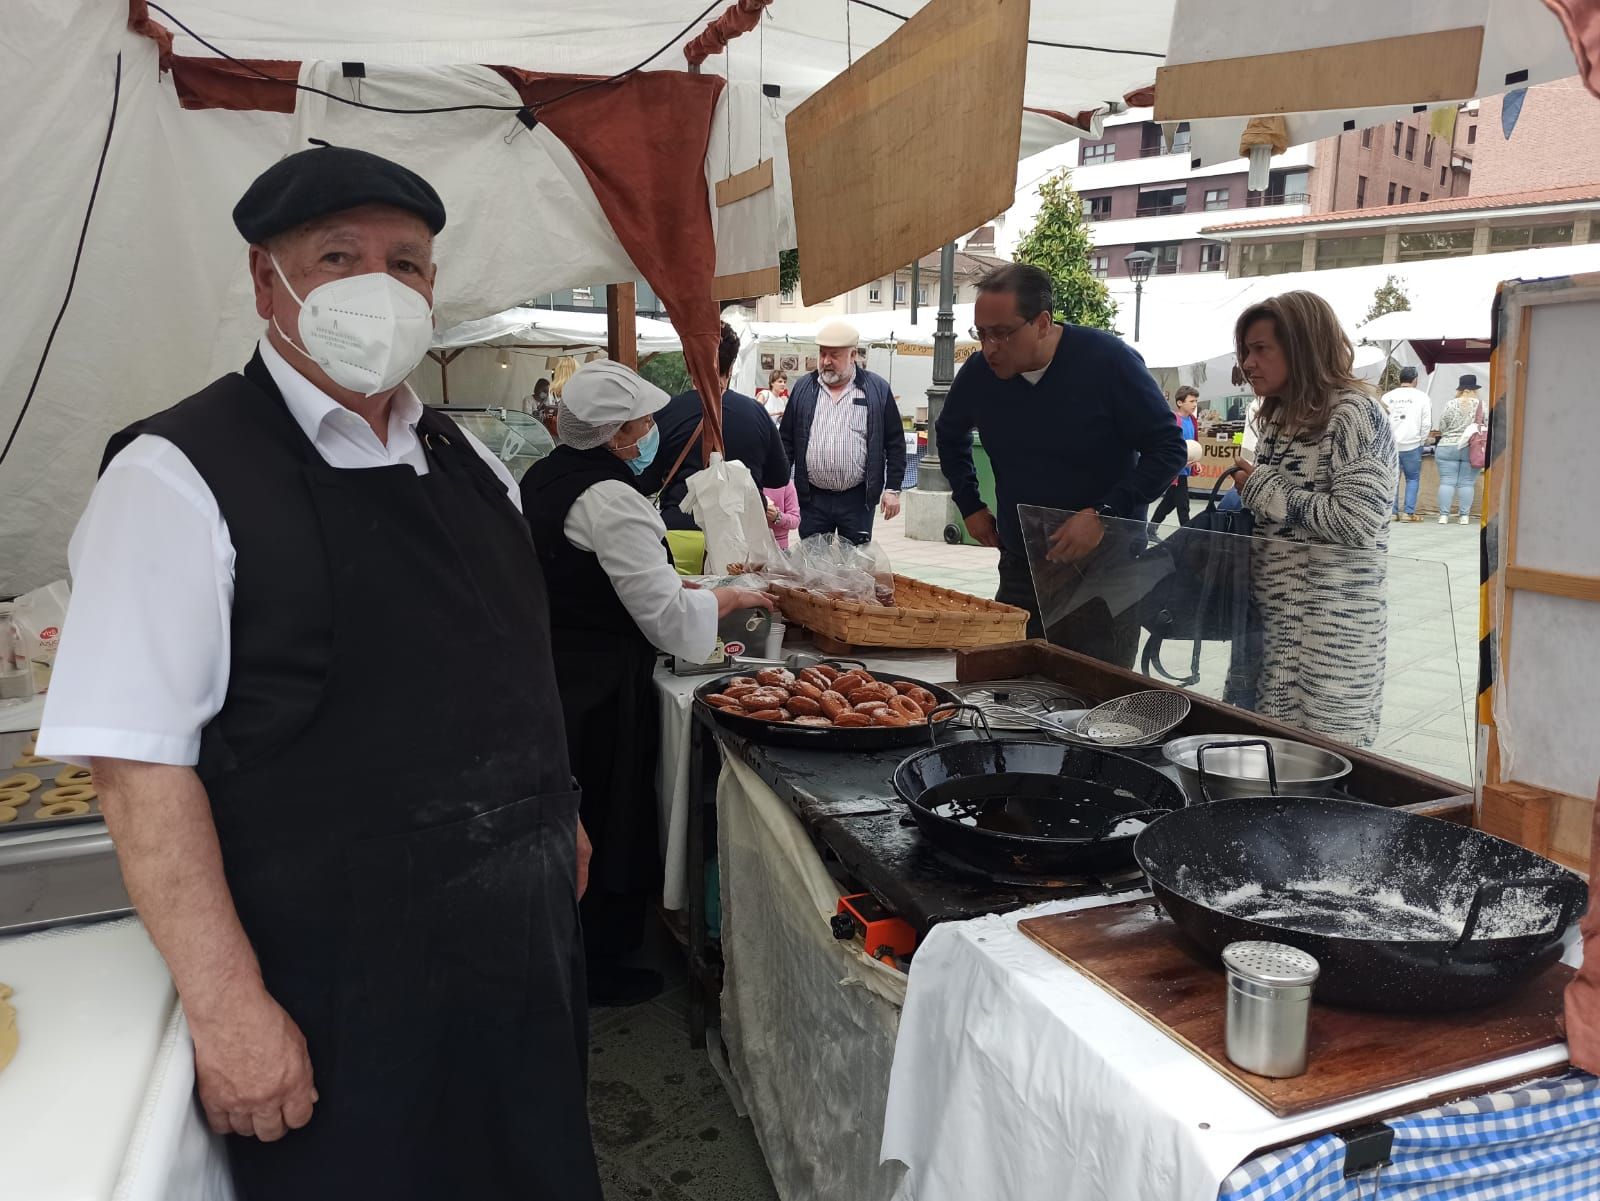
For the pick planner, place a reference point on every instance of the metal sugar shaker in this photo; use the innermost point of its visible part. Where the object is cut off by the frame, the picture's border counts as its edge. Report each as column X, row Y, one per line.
column 1269, row 1006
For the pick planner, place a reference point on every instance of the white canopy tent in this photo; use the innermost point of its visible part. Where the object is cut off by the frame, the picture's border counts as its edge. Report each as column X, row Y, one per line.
column 497, row 360
column 161, row 303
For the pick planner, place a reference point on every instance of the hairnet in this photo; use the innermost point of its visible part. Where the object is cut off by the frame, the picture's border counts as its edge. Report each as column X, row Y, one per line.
column 582, row 435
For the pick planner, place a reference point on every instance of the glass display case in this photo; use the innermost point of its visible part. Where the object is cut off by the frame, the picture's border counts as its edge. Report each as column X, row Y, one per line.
column 517, row 439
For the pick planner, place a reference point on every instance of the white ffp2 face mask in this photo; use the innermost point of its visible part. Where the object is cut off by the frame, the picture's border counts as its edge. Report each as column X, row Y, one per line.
column 368, row 332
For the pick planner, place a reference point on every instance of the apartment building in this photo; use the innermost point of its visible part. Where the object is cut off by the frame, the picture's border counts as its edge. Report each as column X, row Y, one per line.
column 894, row 291
column 1141, row 192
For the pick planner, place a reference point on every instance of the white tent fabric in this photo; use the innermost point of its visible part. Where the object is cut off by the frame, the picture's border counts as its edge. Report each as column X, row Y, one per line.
column 880, row 328
column 552, row 329
column 1078, row 61
column 163, row 303
column 1519, row 35
column 1189, row 319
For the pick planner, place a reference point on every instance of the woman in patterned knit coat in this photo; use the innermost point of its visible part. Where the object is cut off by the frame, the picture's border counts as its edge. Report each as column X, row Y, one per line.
column 1321, row 492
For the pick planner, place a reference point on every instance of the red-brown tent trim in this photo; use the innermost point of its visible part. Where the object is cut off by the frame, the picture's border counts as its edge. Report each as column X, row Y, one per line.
column 1581, row 20
column 739, row 18
column 641, row 141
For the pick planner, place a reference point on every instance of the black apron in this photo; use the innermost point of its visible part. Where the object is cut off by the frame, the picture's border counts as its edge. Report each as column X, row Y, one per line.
column 402, row 854
column 605, row 669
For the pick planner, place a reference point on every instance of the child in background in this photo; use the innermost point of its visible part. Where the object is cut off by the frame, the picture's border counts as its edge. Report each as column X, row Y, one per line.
column 783, row 512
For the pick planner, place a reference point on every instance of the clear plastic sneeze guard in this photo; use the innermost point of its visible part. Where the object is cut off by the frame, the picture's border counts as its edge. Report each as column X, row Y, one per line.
column 1356, row 645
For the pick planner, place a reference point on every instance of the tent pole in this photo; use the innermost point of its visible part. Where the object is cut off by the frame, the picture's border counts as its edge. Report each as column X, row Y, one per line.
column 622, row 342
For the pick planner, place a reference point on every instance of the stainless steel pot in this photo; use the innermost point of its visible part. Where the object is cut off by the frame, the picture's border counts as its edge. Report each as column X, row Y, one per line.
column 1239, row 766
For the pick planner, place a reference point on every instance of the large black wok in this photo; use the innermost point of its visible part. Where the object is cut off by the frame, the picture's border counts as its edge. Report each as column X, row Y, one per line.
column 1403, row 912
column 1017, row 807
column 820, row 738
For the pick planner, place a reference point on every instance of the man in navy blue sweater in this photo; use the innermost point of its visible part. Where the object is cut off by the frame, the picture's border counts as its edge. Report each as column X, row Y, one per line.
column 1071, row 419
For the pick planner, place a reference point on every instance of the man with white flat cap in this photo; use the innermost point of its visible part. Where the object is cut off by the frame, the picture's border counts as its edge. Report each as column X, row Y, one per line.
column 615, row 599
column 843, row 434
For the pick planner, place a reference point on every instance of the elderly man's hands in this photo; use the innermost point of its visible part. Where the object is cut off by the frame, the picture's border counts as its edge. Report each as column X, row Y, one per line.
column 251, row 1067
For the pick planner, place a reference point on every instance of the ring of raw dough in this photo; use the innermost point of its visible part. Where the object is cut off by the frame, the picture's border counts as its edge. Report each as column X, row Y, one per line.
column 32, row 761
column 26, row 781
column 75, row 775
column 15, row 797
column 61, row 809
column 8, row 813
column 72, row 792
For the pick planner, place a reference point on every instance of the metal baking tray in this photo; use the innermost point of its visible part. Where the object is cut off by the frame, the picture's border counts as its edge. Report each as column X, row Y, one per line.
column 12, row 747
column 67, row 877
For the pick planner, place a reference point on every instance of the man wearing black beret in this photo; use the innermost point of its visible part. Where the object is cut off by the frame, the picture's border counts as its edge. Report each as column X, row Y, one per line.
column 308, row 658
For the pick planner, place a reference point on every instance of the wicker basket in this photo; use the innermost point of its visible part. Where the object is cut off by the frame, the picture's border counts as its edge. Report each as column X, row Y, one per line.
column 923, row 616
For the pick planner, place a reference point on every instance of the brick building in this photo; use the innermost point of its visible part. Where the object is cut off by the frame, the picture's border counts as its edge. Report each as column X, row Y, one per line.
column 1435, row 229
column 1555, row 144
column 1400, row 162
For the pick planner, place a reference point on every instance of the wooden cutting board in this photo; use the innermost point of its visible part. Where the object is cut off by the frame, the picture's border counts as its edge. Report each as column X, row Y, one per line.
column 1136, row 953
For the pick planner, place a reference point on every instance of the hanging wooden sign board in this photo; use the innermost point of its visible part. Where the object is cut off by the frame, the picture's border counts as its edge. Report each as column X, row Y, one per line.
column 912, row 147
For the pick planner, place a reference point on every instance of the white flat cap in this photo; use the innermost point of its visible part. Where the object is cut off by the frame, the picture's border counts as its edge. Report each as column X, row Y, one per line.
column 838, row 332
column 606, row 393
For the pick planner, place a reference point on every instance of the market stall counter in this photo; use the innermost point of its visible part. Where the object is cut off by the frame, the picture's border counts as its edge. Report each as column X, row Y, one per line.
column 1016, row 1074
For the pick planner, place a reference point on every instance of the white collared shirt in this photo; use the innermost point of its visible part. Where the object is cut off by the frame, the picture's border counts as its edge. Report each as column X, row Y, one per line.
column 145, row 648
column 836, row 455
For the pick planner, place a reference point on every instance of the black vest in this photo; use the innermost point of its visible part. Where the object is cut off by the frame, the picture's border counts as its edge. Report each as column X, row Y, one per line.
column 582, row 597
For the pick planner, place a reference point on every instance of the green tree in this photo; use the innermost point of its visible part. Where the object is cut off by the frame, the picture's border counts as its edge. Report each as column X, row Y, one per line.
column 788, row 270
column 1059, row 245
column 1390, row 298
column 667, row 372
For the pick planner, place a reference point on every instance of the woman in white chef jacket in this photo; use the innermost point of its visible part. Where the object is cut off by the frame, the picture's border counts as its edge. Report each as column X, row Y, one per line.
column 615, row 600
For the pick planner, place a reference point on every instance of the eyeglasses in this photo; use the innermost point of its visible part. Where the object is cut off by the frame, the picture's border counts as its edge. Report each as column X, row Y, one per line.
column 996, row 336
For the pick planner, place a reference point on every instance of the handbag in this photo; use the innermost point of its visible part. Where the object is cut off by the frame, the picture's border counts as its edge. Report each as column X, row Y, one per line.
column 1478, row 443
column 1206, row 597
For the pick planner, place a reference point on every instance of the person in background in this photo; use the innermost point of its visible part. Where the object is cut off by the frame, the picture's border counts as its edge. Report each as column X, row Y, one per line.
column 1034, row 390
column 783, row 512
column 1458, row 478
column 844, row 436
column 541, row 395
column 1324, row 477
column 1186, row 400
column 614, row 600
column 1410, row 416
column 774, row 398
column 748, row 436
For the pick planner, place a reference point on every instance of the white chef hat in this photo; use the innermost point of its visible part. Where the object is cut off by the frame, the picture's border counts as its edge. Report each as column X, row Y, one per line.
column 838, row 332
column 607, row 393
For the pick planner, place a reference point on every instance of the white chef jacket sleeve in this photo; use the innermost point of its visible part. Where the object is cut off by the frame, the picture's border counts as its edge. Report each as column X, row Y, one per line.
column 501, row 471
column 143, row 660
column 623, row 529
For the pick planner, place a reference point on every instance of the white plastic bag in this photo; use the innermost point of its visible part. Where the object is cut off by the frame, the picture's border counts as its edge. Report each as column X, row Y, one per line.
column 724, row 501
column 39, row 615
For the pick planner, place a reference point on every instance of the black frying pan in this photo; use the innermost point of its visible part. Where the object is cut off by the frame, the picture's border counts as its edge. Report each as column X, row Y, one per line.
column 1025, row 807
column 822, row 738
column 1404, row 913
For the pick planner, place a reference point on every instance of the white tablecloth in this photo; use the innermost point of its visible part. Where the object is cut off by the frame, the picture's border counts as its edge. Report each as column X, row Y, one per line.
column 1016, row 1076
column 98, row 1103
column 676, row 694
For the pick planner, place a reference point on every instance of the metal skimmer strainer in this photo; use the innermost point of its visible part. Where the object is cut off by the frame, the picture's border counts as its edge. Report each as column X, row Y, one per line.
column 1139, row 718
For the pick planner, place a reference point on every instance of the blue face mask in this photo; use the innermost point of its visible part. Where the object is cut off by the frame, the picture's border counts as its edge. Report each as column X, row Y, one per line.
column 647, row 445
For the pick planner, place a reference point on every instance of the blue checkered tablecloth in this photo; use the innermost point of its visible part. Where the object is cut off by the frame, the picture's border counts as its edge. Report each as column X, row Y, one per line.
column 1536, row 1143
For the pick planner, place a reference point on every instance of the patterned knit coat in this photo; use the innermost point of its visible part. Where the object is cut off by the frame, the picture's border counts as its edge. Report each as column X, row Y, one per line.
column 1319, row 570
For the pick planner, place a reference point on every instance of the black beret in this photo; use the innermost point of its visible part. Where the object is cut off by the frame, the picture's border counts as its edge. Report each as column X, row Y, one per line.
column 329, row 179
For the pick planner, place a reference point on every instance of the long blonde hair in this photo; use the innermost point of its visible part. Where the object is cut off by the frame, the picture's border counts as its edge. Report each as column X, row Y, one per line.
column 565, row 366
column 1320, row 358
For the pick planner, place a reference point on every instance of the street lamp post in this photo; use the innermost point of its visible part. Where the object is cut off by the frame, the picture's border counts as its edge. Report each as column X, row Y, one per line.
column 929, row 477
column 1138, row 263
